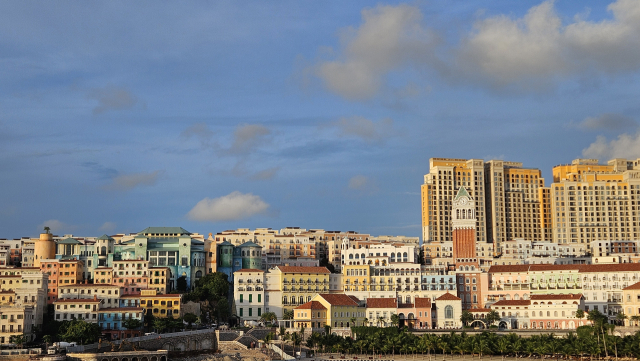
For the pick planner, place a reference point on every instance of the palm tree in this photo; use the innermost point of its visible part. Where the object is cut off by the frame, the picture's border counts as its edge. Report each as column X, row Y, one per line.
column 353, row 321
column 621, row 317
column 296, row 339
column 380, row 320
column 365, row 322
column 395, row 320
column 635, row 319
column 503, row 346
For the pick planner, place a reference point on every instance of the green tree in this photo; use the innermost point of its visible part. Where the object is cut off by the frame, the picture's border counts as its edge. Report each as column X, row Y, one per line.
column 269, row 317
column 47, row 340
column 395, row 320
column 160, row 324
column 621, row 317
column 492, row 317
column 324, row 262
column 503, row 346
column 19, row 340
column 353, row 321
column 132, row 323
column 287, row 315
column 466, row 317
column 181, row 284
column 79, row 331
column 190, row 318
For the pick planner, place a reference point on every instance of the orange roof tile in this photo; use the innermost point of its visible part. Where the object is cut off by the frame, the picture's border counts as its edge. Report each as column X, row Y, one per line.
column 635, row 286
column 448, row 297
column 338, row 299
column 512, row 303
column 554, row 267
column 75, row 300
column 423, row 302
column 479, row 310
column 382, row 303
column 509, row 268
column 296, row 269
column 620, row 267
column 311, row 305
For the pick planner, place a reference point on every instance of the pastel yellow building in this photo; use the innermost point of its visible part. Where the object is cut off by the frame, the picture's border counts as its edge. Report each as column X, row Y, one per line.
column 300, row 284
column 631, row 303
column 70, row 272
column 311, row 315
column 356, row 277
column 159, row 279
column 162, row 306
column 103, row 275
column 342, row 310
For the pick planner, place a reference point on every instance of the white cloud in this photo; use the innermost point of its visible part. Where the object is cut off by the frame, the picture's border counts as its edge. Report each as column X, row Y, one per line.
column 234, row 206
column 364, row 128
column 625, row 146
column 533, row 52
column 127, row 182
column 107, row 227
column 388, row 38
column 56, row 226
column 247, row 137
column 607, row 121
column 112, row 98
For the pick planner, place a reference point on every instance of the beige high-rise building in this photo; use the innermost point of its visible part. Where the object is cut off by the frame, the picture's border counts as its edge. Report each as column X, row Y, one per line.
column 591, row 201
column 445, row 176
column 515, row 202
column 511, row 201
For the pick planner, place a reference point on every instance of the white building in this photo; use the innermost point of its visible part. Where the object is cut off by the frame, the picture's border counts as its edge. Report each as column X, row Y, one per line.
column 248, row 295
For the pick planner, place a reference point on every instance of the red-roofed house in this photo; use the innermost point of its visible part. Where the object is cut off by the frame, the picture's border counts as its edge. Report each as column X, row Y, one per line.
column 549, row 312
column 448, row 311
column 379, row 311
column 312, row 315
column 341, row 309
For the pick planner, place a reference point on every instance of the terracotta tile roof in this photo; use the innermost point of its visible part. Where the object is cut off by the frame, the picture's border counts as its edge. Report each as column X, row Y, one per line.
column 354, row 298
column 510, row 268
column 620, row 267
column 295, row 269
column 447, row 297
column 575, row 296
column 479, row 310
column 248, row 270
column 382, row 303
column 338, row 299
column 635, row 286
column 311, row 305
column 423, row 302
column 512, row 303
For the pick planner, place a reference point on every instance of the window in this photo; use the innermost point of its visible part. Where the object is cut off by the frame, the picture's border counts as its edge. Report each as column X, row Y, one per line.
column 241, row 298
column 240, row 311
column 259, row 300
column 250, row 300
column 448, row 312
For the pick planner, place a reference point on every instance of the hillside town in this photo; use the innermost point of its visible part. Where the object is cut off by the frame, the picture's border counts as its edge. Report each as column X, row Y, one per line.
column 500, row 242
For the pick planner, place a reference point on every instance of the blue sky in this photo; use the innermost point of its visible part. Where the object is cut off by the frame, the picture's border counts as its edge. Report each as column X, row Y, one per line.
column 116, row 116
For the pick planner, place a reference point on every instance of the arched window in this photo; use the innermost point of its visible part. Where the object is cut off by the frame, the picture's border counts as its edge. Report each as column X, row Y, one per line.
column 448, row 312
column 198, row 274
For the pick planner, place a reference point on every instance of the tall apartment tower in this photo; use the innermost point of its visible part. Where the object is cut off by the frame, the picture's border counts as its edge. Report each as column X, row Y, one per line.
column 440, row 186
column 463, row 228
column 517, row 203
column 591, row 201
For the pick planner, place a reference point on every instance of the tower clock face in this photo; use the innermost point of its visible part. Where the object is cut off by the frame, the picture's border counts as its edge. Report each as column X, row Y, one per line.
column 463, row 201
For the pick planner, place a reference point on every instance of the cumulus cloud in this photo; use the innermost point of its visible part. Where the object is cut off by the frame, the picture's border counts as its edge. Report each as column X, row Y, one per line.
column 125, row 182
column 364, row 128
column 232, row 207
column 247, row 137
column 537, row 49
column 529, row 53
column 199, row 131
column 56, row 226
column 112, row 98
column 389, row 37
column 266, row 174
column 107, row 227
column 625, row 146
column 607, row 121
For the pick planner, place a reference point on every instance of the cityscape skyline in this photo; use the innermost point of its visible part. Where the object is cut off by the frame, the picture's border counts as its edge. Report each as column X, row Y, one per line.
column 224, row 116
